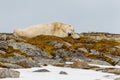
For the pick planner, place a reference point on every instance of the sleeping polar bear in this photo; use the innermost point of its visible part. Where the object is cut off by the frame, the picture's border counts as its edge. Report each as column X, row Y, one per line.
column 55, row 29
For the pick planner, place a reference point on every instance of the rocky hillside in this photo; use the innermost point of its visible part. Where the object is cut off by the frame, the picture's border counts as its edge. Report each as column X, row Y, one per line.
column 98, row 48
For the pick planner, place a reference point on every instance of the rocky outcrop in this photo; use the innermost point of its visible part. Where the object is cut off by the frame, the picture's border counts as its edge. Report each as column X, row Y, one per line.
column 21, row 52
column 7, row 73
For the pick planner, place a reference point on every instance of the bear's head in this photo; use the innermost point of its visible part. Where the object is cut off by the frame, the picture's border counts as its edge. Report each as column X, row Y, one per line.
column 69, row 29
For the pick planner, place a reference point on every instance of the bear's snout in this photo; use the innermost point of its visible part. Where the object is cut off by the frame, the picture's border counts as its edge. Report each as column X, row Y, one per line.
column 69, row 34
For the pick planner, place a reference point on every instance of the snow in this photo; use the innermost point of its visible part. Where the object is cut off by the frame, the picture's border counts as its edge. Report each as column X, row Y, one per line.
column 73, row 74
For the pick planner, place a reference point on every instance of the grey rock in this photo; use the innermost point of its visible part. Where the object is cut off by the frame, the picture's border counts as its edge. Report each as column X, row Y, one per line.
column 41, row 70
column 67, row 44
column 56, row 44
column 63, row 73
column 112, row 70
column 7, row 73
column 27, row 63
column 61, row 53
column 10, row 65
column 2, row 52
column 48, row 61
column 80, row 64
column 117, row 78
column 83, row 49
column 99, row 62
column 13, row 59
column 94, row 52
column 3, row 45
column 3, row 37
column 28, row 49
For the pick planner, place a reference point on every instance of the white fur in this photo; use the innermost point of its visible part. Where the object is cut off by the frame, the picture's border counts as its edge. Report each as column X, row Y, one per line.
column 55, row 29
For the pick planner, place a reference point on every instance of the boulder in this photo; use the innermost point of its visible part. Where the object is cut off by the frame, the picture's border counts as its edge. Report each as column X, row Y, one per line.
column 29, row 49
column 112, row 70
column 3, row 45
column 10, row 65
column 80, row 64
column 3, row 37
column 99, row 62
column 68, row 55
column 56, row 44
column 42, row 70
column 117, row 78
column 7, row 73
column 2, row 52
column 63, row 73
column 28, row 63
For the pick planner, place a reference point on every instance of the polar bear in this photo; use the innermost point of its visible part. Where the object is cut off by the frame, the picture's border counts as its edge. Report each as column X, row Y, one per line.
column 54, row 29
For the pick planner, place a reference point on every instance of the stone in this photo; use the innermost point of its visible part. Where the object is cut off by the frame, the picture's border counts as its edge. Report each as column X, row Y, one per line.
column 7, row 73
column 28, row 63
column 112, row 70
column 63, row 54
column 80, row 64
column 56, row 44
column 3, row 45
column 9, row 65
column 83, row 49
column 29, row 49
column 3, row 37
column 2, row 52
column 41, row 70
column 99, row 62
column 117, row 78
column 43, row 61
column 63, row 73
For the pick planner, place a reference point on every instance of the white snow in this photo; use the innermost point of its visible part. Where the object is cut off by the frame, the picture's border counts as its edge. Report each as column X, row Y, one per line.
column 73, row 74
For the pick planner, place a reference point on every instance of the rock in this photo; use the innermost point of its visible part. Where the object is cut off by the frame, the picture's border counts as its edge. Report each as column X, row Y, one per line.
column 63, row 73
column 3, row 37
column 118, row 63
column 80, row 64
column 7, row 73
column 2, row 52
column 13, row 59
column 9, row 65
column 99, row 62
column 112, row 70
column 3, row 45
column 29, row 49
column 43, row 61
column 68, row 55
column 83, row 49
column 56, row 44
column 75, row 36
column 42, row 70
column 117, row 78
column 28, row 63
column 94, row 52
column 67, row 44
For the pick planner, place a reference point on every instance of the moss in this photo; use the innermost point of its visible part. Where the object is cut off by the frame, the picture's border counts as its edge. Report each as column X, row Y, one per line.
column 43, row 42
column 103, row 46
column 10, row 52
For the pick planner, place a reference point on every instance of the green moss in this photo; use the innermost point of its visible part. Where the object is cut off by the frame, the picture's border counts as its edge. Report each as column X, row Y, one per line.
column 103, row 46
column 10, row 52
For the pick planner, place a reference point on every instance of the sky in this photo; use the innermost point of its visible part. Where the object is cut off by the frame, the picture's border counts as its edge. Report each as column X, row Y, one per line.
column 84, row 15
